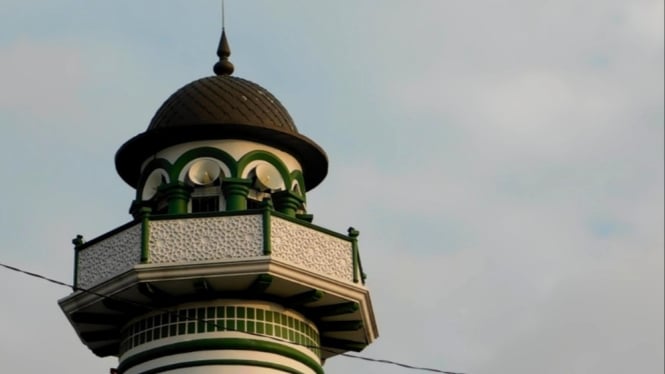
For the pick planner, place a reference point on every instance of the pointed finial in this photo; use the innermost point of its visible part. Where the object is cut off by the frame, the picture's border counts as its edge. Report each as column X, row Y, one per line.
column 223, row 66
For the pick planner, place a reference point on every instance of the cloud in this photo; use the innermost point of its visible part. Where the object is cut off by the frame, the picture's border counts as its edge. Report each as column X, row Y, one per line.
column 41, row 79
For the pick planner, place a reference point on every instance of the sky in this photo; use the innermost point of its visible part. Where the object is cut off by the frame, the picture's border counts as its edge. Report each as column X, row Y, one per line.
column 502, row 159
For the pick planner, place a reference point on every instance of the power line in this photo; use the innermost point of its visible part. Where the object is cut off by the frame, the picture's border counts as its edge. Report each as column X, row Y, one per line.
column 221, row 328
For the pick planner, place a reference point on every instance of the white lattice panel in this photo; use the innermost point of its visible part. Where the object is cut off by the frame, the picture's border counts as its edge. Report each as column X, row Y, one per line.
column 312, row 250
column 205, row 239
column 110, row 257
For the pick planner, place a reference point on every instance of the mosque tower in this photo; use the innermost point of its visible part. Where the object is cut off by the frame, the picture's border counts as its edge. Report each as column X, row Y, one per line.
column 221, row 269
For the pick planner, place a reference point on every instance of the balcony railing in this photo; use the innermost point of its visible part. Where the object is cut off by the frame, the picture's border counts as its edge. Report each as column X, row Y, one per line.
column 219, row 237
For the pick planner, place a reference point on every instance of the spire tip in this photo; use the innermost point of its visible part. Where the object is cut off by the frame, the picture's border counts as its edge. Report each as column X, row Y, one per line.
column 223, row 66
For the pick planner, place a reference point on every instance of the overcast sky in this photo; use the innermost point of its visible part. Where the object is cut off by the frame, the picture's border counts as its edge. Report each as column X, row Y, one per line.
column 503, row 161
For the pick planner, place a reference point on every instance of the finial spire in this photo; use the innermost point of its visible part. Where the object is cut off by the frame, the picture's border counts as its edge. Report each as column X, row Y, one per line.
column 223, row 66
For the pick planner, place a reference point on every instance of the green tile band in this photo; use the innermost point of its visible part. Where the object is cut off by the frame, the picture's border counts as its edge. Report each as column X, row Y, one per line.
column 200, row 320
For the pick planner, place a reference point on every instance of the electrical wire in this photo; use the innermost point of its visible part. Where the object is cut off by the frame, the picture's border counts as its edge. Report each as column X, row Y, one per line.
column 219, row 327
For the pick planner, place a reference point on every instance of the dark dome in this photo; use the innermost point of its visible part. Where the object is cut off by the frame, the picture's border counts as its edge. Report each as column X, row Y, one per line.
column 222, row 107
column 223, row 99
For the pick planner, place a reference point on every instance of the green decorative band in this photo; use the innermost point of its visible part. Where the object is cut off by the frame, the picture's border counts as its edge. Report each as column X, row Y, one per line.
column 220, row 344
column 245, row 363
column 166, row 217
column 192, row 321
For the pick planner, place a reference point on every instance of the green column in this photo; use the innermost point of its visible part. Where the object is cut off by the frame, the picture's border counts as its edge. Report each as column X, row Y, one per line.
column 177, row 196
column 235, row 192
column 287, row 202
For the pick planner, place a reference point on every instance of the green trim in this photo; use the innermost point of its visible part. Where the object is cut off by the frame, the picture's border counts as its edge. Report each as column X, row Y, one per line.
column 145, row 235
column 76, row 266
column 269, row 158
column 167, row 217
column 209, row 152
column 220, row 344
column 225, row 362
column 107, row 235
column 267, row 230
column 353, row 234
column 310, row 225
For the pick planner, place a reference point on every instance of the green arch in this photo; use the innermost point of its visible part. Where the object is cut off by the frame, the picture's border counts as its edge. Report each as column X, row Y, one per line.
column 269, row 158
column 158, row 163
column 210, row 152
column 296, row 175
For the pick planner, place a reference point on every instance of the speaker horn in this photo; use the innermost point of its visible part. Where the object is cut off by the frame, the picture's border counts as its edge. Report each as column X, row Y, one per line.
column 151, row 185
column 204, row 172
column 268, row 178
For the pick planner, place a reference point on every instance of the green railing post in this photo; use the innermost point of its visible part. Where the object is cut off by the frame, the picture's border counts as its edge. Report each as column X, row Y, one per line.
column 78, row 242
column 145, row 234
column 266, row 204
column 353, row 234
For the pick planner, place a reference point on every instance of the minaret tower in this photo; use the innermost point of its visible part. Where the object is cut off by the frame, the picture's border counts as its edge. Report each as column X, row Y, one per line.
column 221, row 269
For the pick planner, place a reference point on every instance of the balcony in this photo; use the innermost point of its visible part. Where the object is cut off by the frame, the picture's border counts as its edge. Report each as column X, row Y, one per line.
column 218, row 238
